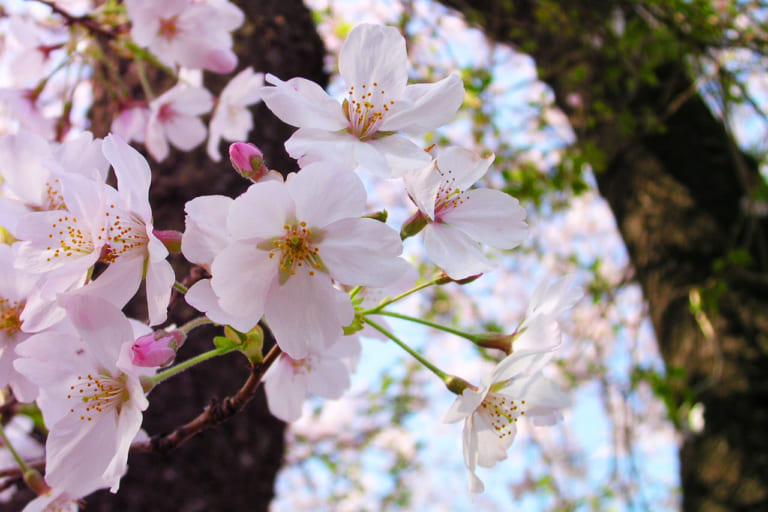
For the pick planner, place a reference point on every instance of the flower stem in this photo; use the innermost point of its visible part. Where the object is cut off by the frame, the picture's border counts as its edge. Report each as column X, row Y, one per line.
column 195, row 322
column 471, row 337
column 434, row 369
column 170, row 372
column 180, row 287
column 19, row 461
column 396, row 298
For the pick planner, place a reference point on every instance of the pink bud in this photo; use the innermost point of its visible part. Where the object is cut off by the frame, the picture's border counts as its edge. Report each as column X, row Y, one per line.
column 156, row 349
column 220, row 61
column 248, row 161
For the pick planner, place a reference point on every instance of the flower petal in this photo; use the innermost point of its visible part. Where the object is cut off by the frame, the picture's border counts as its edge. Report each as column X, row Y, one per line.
column 490, row 217
column 375, row 53
column 454, row 251
column 303, row 103
column 426, row 106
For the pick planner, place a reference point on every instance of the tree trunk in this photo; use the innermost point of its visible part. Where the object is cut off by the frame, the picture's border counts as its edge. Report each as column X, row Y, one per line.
column 674, row 182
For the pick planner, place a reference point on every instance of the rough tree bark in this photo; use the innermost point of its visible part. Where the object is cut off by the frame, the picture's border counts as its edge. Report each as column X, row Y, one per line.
column 675, row 190
column 233, row 466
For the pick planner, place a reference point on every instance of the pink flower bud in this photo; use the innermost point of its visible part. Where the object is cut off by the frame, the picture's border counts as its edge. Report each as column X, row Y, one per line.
column 248, row 161
column 156, row 349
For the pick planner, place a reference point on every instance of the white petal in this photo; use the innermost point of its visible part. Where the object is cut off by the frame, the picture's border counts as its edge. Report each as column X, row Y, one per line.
column 429, row 106
column 362, row 252
column 375, row 53
column 201, row 297
column 465, row 167
column 242, row 275
column 285, row 391
column 455, row 252
column 101, row 325
column 185, row 132
column 205, row 233
column 464, row 405
column 490, row 217
column 310, row 145
column 302, row 313
column 159, row 282
column 423, row 186
column 300, row 102
column 329, row 378
column 132, row 172
column 401, row 154
column 324, row 195
column 261, row 212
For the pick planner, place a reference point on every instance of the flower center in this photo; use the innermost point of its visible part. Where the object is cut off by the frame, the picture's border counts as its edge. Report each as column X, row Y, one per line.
column 169, row 28
column 166, row 113
column 299, row 366
column 365, row 109
column 448, row 195
column 70, row 238
column 502, row 413
column 125, row 234
column 94, row 395
column 10, row 313
column 296, row 250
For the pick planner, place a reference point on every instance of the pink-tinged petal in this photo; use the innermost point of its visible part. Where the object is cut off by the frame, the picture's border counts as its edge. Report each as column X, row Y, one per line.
column 426, row 106
column 185, row 132
column 302, row 313
column 101, row 325
column 362, row 252
column 464, row 405
column 367, row 156
column 261, row 211
column 490, row 217
column 23, row 156
column 132, row 172
column 242, row 275
column 375, row 53
column 128, row 425
column 454, row 252
column 423, row 186
column 159, row 281
column 78, row 452
column 191, row 101
column 462, row 166
column 329, row 378
column 300, row 102
column 205, row 236
column 118, row 283
column 310, row 145
column 156, row 143
column 201, row 297
column 285, row 391
column 401, row 154
column 323, row 194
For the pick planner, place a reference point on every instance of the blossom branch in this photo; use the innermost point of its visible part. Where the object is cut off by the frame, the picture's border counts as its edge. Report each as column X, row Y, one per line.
column 215, row 413
column 86, row 21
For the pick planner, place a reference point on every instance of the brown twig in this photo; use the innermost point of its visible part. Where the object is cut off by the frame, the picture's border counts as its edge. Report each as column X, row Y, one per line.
column 215, row 413
column 85, row 21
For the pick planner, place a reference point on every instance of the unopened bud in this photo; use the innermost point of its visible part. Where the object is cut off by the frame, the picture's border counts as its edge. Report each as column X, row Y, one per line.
column 445, row 279
column 413, row 225
column 156, row 349
column 248, row 160
column 171, row 239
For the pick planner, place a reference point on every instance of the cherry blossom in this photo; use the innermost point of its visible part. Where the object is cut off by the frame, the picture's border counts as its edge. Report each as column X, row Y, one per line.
column 374, row 65
column 193, row 34
column 321, row 373
column 309, row 232
column 458, row 219
column 515, row 388
column 231, row 119
column 173, row 117
column 90, row 396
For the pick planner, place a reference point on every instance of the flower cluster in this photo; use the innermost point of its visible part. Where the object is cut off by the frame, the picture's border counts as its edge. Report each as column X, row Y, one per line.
column 299, row 256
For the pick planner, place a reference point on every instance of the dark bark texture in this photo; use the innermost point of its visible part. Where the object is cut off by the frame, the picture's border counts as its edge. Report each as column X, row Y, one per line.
column 675, row 187
column 233, row 466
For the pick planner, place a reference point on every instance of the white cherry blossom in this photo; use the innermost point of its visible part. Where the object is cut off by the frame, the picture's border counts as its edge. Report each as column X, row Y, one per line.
column 90, row 396
column 321, row 373
column 232, row 120
column 359, row 132
column 515, row 389
column 192, row 34
column 174, row 117
column 289, row 241
column 460, row 219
